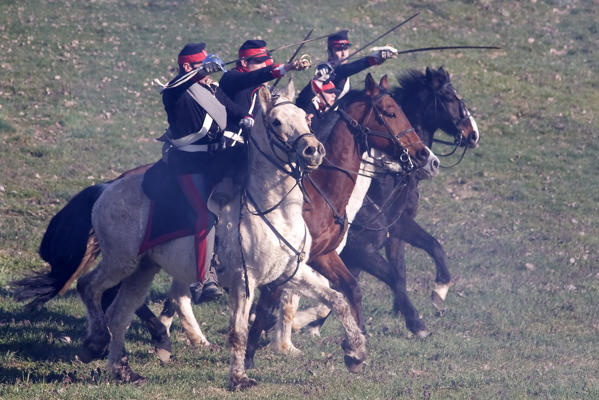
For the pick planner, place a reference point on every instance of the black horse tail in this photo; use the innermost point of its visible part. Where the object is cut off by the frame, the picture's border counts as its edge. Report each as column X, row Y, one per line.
column 68, row 245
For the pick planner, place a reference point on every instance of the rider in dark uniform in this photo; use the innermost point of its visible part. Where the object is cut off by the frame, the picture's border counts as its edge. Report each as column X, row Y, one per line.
column 338, row 69
column 254, row 68
column 197, row 112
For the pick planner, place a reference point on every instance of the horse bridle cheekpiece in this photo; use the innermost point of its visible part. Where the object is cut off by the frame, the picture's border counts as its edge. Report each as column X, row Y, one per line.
column 456, row 121
column 404, row 158
column 289, row 149
column 458, row 139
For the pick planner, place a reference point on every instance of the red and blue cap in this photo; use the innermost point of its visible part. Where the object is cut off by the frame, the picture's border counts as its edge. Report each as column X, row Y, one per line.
column 338, row 41
column 192, row 53
column 255, row 50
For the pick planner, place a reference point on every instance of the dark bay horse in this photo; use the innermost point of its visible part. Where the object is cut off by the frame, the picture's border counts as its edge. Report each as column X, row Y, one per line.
column 431, row 103
column 369, row 119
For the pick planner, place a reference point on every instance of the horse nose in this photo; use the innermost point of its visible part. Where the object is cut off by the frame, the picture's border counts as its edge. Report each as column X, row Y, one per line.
column 435, row 164
column 423, row 154
column 309, row 151
column 321, row 149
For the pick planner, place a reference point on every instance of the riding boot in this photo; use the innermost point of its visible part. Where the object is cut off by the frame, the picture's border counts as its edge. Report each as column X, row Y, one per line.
column 208, row 289
column 224, row 191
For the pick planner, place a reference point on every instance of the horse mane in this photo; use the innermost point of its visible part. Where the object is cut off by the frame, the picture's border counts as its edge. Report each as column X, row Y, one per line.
column 411, row 82
column 414, row 81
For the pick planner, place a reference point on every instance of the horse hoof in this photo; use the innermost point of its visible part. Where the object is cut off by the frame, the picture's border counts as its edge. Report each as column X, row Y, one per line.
column 313, row 331
column 92, row 351
column 163, row 355
column 353, row 364
column 441, row 290
column 242, row 383
column 125, row 374
column 86, row 356
column 249, row 363
column 437, row 301
column 422, row 334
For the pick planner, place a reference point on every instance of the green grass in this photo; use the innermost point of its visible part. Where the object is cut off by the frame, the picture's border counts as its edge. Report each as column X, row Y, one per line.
column 518, row 217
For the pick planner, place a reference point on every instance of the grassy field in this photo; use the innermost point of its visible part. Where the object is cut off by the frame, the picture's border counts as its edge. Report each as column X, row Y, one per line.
column 519, row 217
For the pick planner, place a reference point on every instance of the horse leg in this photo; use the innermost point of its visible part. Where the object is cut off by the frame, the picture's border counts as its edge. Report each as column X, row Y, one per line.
column 314, row 286
column 282, row 333
column 158, row 332
column 332, row 267
column 179, row 293
column 91, row 286
column 415, row 235
column 311, row 319
column 264, row 319
column 240, row 306
column 167, row 314
column 357, row 257
column 130, row 297
column 395, row 249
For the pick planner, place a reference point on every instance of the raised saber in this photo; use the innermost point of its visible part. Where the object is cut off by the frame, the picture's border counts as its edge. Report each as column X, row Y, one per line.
column 447, row 48
column 379, row 37
column 284, row 47
column 274, row 85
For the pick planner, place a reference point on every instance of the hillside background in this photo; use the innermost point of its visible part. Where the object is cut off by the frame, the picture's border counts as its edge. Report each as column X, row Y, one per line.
column 519, row 217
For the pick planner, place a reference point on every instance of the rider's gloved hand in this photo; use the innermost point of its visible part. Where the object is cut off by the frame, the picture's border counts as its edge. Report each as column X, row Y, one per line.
column 323, row 72
column 210, row 67
column 380, row 54
column 246, row 122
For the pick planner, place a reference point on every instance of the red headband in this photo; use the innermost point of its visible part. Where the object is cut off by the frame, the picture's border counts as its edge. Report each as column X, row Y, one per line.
column 339, row 43
column 193, row 58
column 247, row 53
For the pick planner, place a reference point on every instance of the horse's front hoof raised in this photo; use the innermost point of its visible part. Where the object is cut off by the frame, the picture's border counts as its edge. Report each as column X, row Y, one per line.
column 242, row 383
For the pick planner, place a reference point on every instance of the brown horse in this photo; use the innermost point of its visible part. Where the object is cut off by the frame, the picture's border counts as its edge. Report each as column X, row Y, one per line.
column 370, row 119
column 431, row 103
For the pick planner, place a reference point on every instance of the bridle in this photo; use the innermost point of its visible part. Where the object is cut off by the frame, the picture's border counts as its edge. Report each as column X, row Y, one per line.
column 290, row 165
column 362, row 132
column 456, row 121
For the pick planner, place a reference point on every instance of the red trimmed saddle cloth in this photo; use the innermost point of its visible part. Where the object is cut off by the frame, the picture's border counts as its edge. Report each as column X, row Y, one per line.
column 171, row 215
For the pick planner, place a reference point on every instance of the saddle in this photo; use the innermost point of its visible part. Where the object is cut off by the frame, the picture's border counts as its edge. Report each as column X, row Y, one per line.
column 170, row 215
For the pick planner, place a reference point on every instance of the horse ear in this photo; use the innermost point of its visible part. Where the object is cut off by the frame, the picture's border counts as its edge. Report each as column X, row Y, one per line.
column 290, row 90
column 384, row 84
column 428, row 73
column 444, row 72
column 372, row 88
column 264, row 98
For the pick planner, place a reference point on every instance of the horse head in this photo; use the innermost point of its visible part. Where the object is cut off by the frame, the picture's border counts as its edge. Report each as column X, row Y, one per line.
column 288, row 133
column 387, row 129
column 445, row 107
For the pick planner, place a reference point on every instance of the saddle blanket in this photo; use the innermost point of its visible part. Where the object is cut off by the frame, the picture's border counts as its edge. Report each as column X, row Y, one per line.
column 170, row 216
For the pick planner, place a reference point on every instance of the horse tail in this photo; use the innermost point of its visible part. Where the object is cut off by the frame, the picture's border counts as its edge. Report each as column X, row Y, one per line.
column 69, row 246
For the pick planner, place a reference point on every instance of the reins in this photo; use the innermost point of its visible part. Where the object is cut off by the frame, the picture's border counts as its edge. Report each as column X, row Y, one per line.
column 458, row 140
column 360, row 132
column 295, row 172
column 391, row 198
